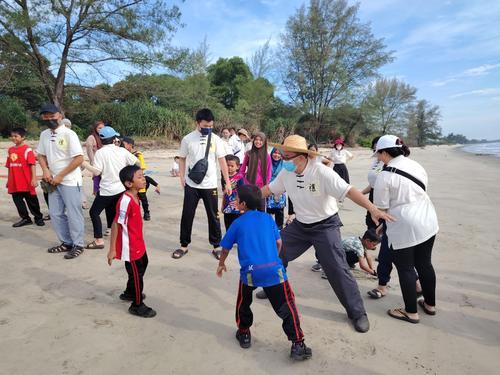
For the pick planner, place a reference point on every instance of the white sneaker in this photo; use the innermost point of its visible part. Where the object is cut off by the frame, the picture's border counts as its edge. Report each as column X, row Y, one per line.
column 107, row 232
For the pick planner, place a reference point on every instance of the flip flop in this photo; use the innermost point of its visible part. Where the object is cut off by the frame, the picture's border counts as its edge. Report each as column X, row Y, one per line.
column 404, row 316
column 179, row 253
column 216, row 254
column 426, row 310
column 375, row 294
column 94, row 246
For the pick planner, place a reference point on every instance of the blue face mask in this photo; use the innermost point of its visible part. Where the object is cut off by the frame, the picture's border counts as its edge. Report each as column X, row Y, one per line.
column 289, row 165
column 205, row 131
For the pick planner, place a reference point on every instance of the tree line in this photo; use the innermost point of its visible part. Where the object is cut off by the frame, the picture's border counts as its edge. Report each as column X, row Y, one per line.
column 322, row 80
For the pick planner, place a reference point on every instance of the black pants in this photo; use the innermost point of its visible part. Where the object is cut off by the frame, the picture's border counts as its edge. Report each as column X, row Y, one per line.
column 407, row 260
column 342, row 171
column 135, row 284
column 210, row 200
column 46, row 199
column 283, row 301
column 32, row 202
column 279, row 216
column 107, row 203
column 229, row 218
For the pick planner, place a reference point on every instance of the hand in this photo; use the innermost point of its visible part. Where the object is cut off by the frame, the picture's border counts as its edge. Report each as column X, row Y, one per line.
column 228, row 190
column 221, row 269
column 290, row 218
column 34, row 182
column 378, row 215
column 111, row 256
column 47, row 176
column 183, row 182
column 56, row 180
column 157, row 189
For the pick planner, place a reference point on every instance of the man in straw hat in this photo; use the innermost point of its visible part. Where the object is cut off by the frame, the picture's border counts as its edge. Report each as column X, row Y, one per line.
column 314, row 190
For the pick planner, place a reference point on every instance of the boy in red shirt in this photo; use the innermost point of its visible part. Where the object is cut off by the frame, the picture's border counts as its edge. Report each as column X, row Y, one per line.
column 21, row 181
column 127, row 240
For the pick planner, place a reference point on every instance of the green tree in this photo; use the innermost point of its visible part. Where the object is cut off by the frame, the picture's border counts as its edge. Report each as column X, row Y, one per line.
column 12, row 114
column 256, row 99
column 226, row 76
column 325, row 52
column 88, row 33
column 424, row 123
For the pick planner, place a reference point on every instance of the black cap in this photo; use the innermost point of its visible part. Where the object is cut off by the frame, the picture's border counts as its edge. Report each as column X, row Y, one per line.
column 49, row 108
column 128, row 140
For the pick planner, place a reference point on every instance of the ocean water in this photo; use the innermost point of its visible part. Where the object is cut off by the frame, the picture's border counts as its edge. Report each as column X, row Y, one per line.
column 492, row 148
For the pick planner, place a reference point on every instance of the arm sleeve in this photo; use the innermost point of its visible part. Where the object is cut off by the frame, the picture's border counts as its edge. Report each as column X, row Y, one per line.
column 220, row 148
column 98, row 162
column 151, row 181
column 184, row 150
column 277, row 187
column 243, row 167
column 41, row 147
column 333, row 184
column 30, row 157
column 230, row 237
column 381, row 193
column 75, row 147
column 269, row 170
column 122, row 209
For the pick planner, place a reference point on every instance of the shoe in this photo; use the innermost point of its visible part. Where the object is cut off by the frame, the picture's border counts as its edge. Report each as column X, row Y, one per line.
column 300, row 351
column 142, row 310
column 46, row 217
column 126, row 297
column 361, row 324
column 75, row 252
column 107, row 232
column 22, row 223
column 244, row 338
column 146, row 216
column 261, row 294
column 323, row 275
column 317, row 267
column 40, row 222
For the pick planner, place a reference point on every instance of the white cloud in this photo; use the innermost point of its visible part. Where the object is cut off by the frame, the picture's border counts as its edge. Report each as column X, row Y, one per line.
column 479, row 92
column 480, row 70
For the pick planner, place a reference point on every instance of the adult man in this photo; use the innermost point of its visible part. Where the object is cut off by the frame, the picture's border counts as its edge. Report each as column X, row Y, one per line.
column 314, row 190
column 193, row 148
column 60, row 155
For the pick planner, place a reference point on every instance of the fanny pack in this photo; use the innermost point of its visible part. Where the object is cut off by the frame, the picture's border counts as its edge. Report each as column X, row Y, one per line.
column 404, row 174
column 199, row 170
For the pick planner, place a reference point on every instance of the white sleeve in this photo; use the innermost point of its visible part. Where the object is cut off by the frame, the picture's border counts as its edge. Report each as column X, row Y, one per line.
column 381, row 193
column 333, row 184
column 98, row 162
column 277, row 187
column 75, row 147
column 41, row 146
column 183, row 152
column 220, row 148
column 131, row 158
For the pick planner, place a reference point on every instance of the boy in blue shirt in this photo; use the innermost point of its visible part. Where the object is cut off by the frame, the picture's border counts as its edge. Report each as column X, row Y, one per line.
column 259, row 243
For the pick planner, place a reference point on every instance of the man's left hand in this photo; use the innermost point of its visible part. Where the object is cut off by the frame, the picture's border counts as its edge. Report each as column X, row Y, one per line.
column 56, row 180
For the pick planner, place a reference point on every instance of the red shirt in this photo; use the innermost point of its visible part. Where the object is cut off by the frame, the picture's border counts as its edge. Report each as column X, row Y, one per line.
column 130, row 244
column 19, row 161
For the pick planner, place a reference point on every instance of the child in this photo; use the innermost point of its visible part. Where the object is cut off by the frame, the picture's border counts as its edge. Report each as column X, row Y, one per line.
column 127, row 240
column 256, row 168
column 21, row 180
column 356, row 251
column 174, row 172
column 276, row 204
column 340, row 157
column 259, row 244
column 129, row 145
column 229, row 209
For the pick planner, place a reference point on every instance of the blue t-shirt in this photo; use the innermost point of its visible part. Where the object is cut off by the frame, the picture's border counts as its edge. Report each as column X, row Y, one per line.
column 256, row 234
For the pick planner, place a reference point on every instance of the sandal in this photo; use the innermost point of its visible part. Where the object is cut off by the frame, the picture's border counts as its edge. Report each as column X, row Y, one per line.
column 375, row 294
column 179, row 253
column 426, row 310
column 216, row 254
column 94, row 246
column 402, row 316
column 62, row 248
column 76, row 251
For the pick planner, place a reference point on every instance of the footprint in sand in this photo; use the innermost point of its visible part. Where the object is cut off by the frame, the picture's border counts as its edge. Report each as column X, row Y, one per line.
column 102, row 323
column 4, row 322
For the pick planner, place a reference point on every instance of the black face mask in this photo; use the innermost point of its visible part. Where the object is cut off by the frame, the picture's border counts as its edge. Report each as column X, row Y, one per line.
column 51, row 124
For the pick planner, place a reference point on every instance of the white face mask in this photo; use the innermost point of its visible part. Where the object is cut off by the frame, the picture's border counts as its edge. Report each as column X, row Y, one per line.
column 338, row 147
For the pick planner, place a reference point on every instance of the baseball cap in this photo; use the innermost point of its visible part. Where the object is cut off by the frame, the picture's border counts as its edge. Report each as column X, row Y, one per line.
column 49, row 108
column 388, row 141
column 108, row 132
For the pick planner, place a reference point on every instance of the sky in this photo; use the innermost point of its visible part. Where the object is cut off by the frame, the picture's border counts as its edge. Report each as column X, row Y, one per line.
column 449, row 49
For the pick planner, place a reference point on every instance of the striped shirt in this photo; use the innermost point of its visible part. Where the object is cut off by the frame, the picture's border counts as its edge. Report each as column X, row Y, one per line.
column 130, row 244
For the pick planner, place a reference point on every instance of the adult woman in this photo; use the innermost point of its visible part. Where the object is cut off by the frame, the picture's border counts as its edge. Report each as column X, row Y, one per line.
column 92, row 144
column 400, row 189
column 339, row 156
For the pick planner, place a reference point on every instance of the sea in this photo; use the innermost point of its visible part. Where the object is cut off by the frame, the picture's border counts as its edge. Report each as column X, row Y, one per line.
column 492, row 148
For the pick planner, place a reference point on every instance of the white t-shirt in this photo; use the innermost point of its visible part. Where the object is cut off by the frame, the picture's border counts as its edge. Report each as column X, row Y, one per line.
column 340, row 156
column 110, row 160
column 227, row 146
column 238, row 147
column 416, row 219
column 193, row 148
column 60, row 146
column 375, row 169
column 314, row 193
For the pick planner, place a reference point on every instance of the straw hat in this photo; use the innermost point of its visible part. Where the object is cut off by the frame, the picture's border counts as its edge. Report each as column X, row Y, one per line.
column 244, row 132
column 295, row 143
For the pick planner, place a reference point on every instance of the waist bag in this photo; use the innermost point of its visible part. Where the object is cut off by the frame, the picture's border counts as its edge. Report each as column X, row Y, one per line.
column 199, row 170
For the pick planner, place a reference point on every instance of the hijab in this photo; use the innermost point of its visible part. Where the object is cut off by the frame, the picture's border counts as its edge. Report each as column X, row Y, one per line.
column 277, row 164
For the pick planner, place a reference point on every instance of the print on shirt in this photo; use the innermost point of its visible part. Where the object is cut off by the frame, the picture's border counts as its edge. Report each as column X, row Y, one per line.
column 62, row 143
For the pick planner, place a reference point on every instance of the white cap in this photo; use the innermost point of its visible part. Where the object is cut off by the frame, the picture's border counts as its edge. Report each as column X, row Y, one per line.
column 388, row 141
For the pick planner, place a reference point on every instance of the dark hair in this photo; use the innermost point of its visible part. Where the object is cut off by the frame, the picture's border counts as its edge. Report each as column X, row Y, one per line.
column 313, row 145
column 251, row 195
column 397, row 151
column 374, row 142
column 371, row 235
column 107, row 141
column 127, row 174
column 233, row 158
column 128, row 140
column 204, row 114
column 177, row 157
column 254, row 156
column 232, row 128
column 19, row 131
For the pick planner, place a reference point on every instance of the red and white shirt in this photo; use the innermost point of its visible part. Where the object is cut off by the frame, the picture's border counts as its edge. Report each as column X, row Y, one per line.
column 130, row 244
column 19, row 161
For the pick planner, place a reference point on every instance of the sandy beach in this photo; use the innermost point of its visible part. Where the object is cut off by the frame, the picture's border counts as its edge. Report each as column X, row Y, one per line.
column 62, row 316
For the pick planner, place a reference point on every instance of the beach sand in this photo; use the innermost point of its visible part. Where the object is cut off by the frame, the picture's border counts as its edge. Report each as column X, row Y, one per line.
column 62, row 316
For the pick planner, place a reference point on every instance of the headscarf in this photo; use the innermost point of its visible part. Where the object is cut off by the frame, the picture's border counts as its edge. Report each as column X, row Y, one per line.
column 277, row 164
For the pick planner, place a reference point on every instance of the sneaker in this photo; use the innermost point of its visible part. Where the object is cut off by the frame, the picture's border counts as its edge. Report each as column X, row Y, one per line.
column 300, row 351
column 323, row 275
column 146, row 216
column 22, row 223
column 142, row 310
column 40, row 222
column 126, row 297
column 46, row 217
column 75, row 252
column 317, row 267
column 107, row 232
column 361, row 324
column 261, row 294
column 244, row 338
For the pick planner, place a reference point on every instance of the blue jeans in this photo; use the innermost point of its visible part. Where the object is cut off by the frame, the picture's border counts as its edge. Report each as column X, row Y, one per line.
column 65, row 208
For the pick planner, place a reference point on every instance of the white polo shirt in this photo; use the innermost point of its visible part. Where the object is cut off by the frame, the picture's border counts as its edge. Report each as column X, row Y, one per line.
column 340, row 156
column 110, row 160
column 193, row 148
column 60, row 146
column 314, row 193
column 416, row 219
